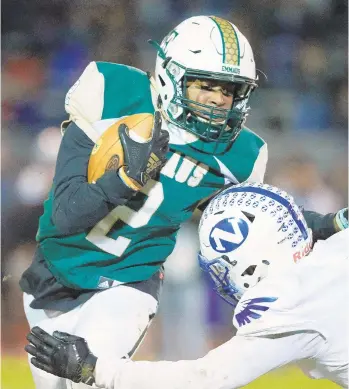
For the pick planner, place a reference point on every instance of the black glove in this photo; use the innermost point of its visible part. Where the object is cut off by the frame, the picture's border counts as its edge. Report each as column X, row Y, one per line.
column 143, row 160
column 62, row 354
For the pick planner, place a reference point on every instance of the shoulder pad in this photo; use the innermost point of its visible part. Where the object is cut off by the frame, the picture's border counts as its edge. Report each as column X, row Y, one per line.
column 257, row 143
column 84, row 100
column 107, row 91
column 246, row 159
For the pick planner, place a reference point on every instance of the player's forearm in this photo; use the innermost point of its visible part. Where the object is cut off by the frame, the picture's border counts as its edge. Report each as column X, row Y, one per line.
column 158, row 375
column 77, row 204
column 222, row 368
column 81, row 205
column 219, row 369
column 322, row 225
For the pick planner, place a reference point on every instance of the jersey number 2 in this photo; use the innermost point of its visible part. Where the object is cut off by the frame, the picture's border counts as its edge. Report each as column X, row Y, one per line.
column 98, row 235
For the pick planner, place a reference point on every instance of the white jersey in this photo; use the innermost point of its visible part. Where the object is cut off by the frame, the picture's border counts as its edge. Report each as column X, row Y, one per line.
column 299, row 315
column 311, row 297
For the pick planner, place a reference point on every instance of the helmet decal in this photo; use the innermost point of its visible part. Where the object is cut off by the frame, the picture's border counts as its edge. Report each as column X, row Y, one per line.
column 231, row 48
column 168, row 38
column 228, row 234
column 252, row 309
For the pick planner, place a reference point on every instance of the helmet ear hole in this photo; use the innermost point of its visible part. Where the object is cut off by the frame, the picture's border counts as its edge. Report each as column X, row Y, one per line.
column 249, row 216
column 249, row 271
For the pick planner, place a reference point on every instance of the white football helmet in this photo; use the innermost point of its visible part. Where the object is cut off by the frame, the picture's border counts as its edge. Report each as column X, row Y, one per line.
column 247, row 229
column 205, row 47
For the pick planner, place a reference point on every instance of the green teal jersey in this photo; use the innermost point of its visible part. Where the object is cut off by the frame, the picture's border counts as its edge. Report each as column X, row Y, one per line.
column 134, row 239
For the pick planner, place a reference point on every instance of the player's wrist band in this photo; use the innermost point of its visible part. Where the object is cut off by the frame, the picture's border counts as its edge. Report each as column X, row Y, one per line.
column 341, row 221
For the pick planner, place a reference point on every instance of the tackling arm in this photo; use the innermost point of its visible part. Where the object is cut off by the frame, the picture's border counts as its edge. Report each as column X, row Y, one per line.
column 324, row 226
column 232, row 365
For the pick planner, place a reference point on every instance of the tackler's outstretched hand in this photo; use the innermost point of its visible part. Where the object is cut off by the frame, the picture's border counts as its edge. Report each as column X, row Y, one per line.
column 143, row 161
column 62, row 354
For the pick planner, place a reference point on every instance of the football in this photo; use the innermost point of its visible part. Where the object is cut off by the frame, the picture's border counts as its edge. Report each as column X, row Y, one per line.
column 108, row 154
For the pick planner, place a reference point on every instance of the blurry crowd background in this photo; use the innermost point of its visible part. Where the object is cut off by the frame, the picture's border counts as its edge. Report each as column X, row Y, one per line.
column 300, row 108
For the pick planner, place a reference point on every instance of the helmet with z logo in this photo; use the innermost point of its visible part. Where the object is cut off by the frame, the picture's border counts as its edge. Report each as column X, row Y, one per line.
column 241, row 239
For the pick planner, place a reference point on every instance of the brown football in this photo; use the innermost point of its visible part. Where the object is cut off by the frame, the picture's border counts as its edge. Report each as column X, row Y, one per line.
column 108, row 153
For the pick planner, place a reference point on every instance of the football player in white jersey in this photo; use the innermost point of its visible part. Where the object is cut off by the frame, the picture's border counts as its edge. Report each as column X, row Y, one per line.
column 290, row 303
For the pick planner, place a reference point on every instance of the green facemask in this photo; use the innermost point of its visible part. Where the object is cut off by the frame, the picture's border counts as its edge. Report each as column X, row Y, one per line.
column 212, row 124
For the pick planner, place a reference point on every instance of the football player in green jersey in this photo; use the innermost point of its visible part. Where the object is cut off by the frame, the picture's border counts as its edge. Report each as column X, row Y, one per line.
column 97, row 271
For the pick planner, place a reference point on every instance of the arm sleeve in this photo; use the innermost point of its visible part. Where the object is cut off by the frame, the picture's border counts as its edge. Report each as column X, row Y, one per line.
column 322, row 225
column 232, row 365
column 77, row 204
